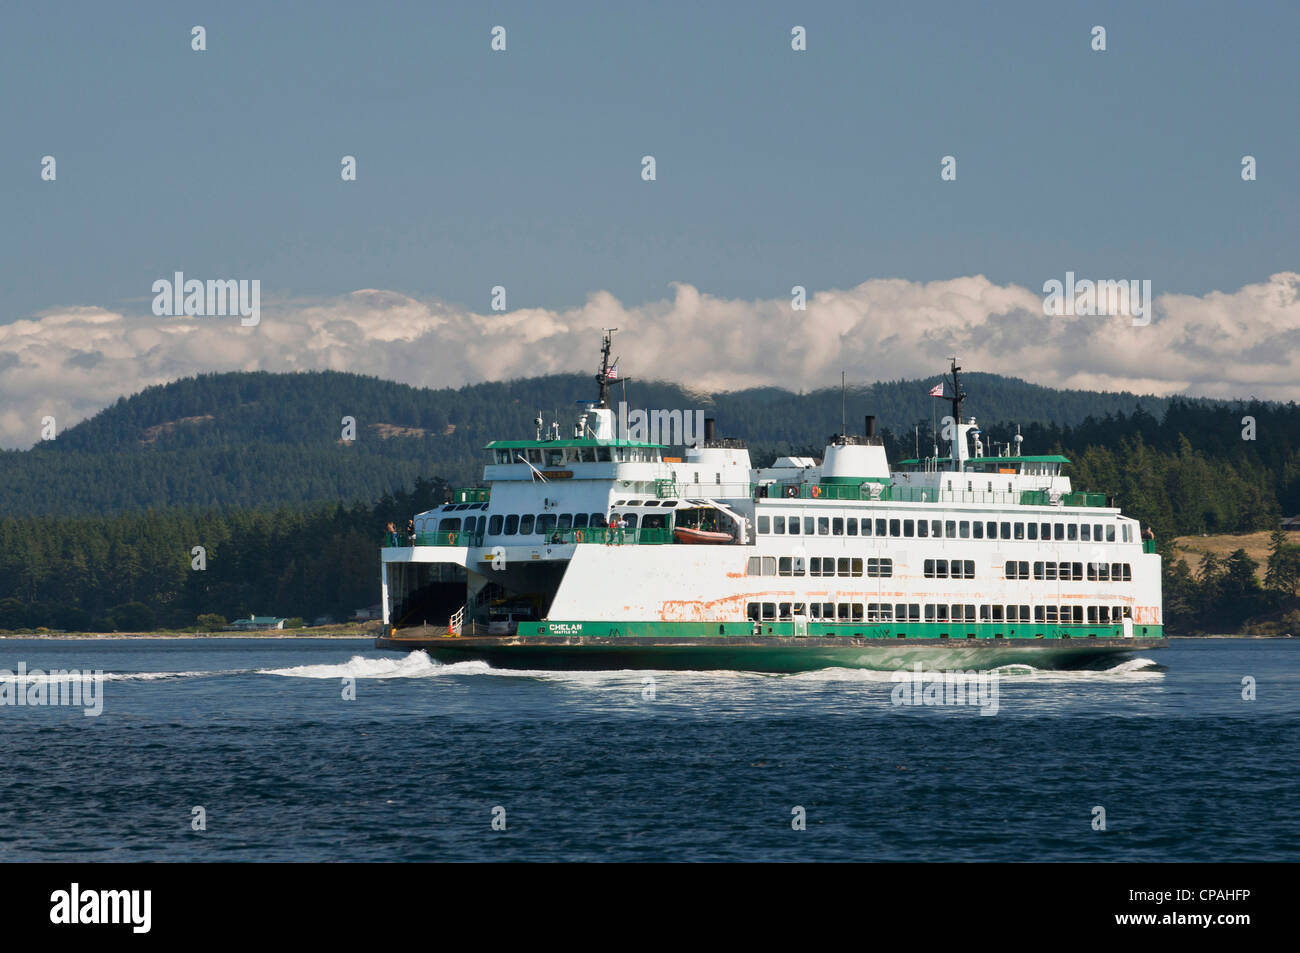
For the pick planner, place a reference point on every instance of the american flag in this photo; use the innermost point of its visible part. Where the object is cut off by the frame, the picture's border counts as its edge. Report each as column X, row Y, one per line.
column 613, row 373
column 937, row 390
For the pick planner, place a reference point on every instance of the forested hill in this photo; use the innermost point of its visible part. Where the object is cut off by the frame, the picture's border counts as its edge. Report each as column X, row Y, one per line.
column 260, row 439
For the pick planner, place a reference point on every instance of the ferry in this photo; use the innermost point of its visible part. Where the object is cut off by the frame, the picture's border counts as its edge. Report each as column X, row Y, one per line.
column 589, row 549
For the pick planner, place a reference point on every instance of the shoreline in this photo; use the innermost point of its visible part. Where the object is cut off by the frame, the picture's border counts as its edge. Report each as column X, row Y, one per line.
column 181, row 636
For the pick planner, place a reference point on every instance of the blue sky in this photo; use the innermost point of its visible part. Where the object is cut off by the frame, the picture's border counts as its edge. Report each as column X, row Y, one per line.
column 522, row 169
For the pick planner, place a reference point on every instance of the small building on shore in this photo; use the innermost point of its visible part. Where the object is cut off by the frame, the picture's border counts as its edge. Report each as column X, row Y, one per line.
column 256, row 622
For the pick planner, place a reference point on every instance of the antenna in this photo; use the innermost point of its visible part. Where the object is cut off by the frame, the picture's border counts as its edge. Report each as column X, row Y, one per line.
column 844, row 411
column 602, row 378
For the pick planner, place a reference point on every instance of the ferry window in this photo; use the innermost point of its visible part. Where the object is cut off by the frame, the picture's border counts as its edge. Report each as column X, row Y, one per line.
column 880, row 568
column 1092, row 615
column 1060, row 531
column 1085, row 533
column 566, row 521
column 793, row 526
column 494, row 525
column 941, row 569
column 1024, row 570
column 526, row 525
column 752, row 611
column 650, row 503
column 764, row 524
column 1051, row 613
column 807, row 525
column 866, row 527
column 1078, row 615
column 799, row 609
column 579, row 520
column 969, row 567
column 1024, row 613
column 828, row 610
column 914, row 611
column 1127, row 538
column 769, row 611
column 929, row 568
column 588, row 455
column 1039, row 615
column 778, row 525
column 843, row 568
column 997, row 614
column 449, row 526
column 798, row 565
column 1045, row 532
column 837, row 526
column 855, row 566
column 1078, row 571
column 965, row 529
column 1072, row 531
column 654, row 521
column 979, row 530
column 844, row 612
column 992, row 531
column 629, row 521
column 1096, row 532
column 1110, row 533
column 512, row 525
column 935, row 528
column 769, row 565
column 598, row 521
column 784, row 612
column 602, row 455
column 909, row 527
column 984, row 613
column 851, row 526
column 857, row 612
column 950, row 529
column 785, row 566
column 545, row 522
column 823, row 525
column 1032, row 529
column 534, row 456
column 755, row 567
column 1117, row 615
column 923, row 528
column 895, row 527
column 880, row 528
column 1049, row 571
column 1128, row 573
column 1006, row 531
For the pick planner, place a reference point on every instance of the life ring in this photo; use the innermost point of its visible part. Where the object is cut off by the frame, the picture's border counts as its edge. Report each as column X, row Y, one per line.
column 816, row 492
column 577, row 536
column 451, row 539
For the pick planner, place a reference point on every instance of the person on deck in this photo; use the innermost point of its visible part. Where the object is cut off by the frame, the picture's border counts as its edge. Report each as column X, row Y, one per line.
column 392, row 534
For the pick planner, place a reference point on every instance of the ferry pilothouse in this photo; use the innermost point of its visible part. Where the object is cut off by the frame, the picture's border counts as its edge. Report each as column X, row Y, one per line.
column 588, row 549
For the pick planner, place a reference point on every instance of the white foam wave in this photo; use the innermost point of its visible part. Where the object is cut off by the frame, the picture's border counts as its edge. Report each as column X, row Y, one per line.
column 57, row 676
column 1131, row 669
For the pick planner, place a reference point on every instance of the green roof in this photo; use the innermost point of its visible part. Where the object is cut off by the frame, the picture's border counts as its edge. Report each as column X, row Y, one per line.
column 553, row 444
column 1050, row 458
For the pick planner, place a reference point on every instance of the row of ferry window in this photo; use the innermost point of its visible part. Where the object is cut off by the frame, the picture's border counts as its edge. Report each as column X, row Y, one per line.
column 934, row 612
column 1097, row 572
column 561, row 456
column 850, row 566
column 529, row 524
column 940, row 529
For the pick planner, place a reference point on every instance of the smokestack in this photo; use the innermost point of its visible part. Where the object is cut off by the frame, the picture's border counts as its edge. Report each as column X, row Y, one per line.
column 708, row 430
column 871, row 425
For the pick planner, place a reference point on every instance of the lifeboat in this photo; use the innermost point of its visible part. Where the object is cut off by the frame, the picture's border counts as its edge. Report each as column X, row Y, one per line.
column 687, row 534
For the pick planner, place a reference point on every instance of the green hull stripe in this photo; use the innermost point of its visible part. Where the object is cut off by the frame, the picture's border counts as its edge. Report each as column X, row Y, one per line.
column 859, row 630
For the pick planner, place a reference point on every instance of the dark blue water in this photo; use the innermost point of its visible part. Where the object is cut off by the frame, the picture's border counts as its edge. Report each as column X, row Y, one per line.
column 586, row 767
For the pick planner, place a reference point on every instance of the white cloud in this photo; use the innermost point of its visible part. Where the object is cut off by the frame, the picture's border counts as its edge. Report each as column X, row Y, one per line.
column 71, row 363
